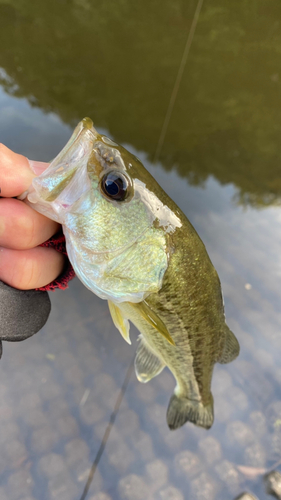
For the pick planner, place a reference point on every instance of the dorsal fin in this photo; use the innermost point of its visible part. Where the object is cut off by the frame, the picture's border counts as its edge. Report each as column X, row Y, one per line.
column 231, row 347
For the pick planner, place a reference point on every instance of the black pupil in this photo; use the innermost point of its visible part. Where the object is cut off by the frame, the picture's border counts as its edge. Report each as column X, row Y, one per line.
column 114, row 186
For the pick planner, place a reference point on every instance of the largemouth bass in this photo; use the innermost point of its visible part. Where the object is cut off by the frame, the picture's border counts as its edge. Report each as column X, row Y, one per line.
column 130, row 244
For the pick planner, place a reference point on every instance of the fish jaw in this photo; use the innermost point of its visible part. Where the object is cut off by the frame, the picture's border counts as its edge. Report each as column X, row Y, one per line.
column 66, row 179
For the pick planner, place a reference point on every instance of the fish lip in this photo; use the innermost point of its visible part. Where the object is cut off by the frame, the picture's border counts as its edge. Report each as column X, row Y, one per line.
column 74, row 153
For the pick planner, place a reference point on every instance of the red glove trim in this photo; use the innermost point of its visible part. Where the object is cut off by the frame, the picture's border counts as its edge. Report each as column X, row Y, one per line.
column 58, row 243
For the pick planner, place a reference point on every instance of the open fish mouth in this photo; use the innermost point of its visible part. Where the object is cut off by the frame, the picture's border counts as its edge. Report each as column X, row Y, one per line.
column 53, row 184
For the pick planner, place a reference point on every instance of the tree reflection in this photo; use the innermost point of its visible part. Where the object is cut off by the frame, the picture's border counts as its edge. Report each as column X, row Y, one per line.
column 117, row 60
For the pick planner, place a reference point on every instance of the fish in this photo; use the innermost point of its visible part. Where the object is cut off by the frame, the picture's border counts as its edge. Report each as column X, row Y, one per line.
column 130, row 244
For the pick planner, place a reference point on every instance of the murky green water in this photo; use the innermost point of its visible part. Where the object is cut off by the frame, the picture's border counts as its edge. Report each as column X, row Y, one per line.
column 117, row 62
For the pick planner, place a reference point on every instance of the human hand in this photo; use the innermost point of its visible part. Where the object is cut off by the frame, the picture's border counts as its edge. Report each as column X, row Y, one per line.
column 23, row 264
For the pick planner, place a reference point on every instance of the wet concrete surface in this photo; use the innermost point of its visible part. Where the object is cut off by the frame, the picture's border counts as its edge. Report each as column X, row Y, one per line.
column 58, row 389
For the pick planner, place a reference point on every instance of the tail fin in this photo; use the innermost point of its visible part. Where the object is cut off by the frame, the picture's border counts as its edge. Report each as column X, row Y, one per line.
column 181, row 410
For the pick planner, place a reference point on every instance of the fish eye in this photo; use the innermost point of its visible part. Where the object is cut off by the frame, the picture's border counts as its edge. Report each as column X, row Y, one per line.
column 114, row 185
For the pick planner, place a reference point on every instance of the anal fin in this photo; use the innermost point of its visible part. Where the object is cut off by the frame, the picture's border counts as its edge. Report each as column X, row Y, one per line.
column 121, row 323
column 182, row 410
column 147, row 363
column 231, row 347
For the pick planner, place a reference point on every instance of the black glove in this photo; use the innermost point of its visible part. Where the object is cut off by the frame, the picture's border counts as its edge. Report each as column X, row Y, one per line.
column 22, row 313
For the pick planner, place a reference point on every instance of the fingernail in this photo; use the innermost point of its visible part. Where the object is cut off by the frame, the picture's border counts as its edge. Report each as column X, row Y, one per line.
column 38, row 166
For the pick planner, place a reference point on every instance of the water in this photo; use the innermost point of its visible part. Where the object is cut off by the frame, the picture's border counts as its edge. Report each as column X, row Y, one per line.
column 117, row 62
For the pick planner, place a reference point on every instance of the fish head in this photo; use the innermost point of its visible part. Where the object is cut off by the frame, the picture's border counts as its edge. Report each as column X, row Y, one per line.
column 114, row 221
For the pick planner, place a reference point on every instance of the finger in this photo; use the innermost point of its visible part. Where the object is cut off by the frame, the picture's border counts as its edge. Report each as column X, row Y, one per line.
column 28, row 269
column 16, row 172
column 21, row 227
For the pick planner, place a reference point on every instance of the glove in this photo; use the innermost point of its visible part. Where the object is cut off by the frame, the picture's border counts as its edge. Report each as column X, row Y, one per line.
column 24, row 312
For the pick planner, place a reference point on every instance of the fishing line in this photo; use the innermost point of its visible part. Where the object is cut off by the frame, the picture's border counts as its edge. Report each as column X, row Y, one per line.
column 157, row 153
column 178, row 80
column 108, row 429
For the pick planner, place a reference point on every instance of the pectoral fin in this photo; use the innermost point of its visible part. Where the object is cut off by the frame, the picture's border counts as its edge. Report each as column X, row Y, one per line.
column 121, row 323
column 153, row 319
column 147, row 363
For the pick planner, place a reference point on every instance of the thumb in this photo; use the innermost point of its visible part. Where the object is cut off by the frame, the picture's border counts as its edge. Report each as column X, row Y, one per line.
column 16, row 172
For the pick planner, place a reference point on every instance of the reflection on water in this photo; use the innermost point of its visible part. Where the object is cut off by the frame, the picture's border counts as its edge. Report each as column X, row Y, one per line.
column 117, row 62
